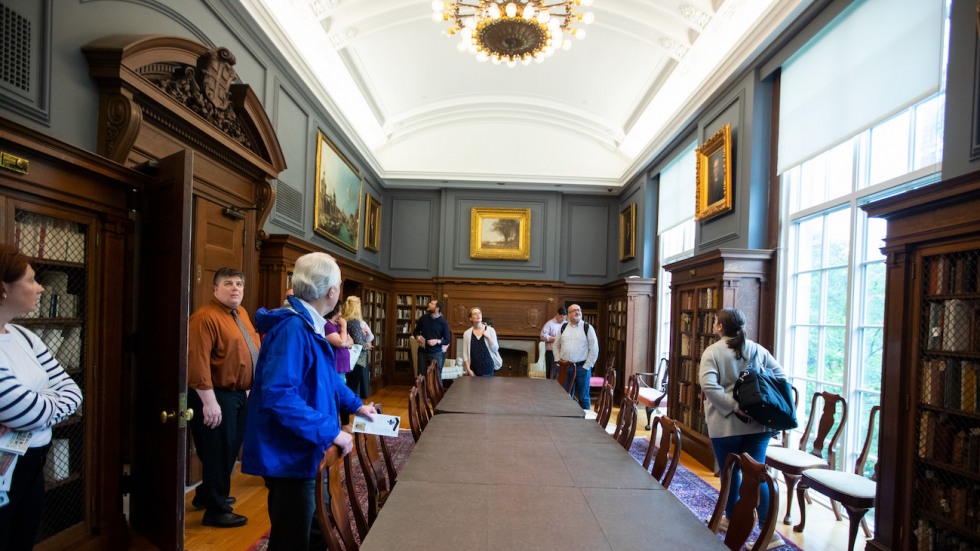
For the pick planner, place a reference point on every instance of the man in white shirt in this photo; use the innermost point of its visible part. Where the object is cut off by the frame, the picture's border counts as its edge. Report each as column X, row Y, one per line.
column 548, row 335
column 577, row 344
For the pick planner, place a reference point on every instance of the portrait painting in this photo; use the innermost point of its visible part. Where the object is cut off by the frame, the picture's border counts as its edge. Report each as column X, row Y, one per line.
column 372, row 223
column 714, row 175
column 338, row 196
column 627, row 237
column 500, row 234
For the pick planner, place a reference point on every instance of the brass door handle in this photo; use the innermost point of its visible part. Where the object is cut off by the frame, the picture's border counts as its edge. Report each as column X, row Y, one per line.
column 187, row 414
column 166, row 416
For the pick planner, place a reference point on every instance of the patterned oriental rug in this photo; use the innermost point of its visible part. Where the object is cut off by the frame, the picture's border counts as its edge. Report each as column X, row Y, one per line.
column 698, row 495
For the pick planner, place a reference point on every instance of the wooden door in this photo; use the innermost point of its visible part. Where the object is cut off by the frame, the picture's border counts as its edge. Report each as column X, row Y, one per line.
column 160, row 367
column 217, row 242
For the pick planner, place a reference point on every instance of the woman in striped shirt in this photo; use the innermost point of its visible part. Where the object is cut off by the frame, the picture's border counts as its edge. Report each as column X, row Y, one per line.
column 35, row 394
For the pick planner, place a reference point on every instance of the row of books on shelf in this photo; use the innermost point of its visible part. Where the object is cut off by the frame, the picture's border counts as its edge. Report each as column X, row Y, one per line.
column 403, row 356
column 930, row 537
column 688, row 370
column 955, row 503
column 694, row 346
column 50, row 239
column 950, row 383
column 406, row 300
column 954, row 326
column 949, row 443
column 956, row 273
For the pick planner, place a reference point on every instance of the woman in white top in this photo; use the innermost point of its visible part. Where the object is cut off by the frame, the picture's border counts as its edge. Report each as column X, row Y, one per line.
column 35, row 394
column 480, row 346
column 731, row 430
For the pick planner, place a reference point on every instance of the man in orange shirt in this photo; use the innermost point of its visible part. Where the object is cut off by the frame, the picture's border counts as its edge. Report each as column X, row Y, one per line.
column 222, row 349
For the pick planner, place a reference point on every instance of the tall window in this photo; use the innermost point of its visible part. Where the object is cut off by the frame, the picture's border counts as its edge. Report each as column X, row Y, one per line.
column 675, row 231
column 831, row 334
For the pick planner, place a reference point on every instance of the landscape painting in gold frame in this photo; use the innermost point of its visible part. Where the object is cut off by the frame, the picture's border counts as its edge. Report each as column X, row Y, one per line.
column 500, row 234
column 372, row 223
column 714, row 181
column 337, row 209
column 627, row 235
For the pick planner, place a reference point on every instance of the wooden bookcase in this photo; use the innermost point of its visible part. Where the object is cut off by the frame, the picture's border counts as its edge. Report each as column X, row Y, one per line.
column 374, row 305
column 929, row 456
column 409, row 306
column 68, row 211
column 700, row 286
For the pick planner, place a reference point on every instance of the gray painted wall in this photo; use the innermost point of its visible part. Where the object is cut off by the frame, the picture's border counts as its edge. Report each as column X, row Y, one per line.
column 962, row 126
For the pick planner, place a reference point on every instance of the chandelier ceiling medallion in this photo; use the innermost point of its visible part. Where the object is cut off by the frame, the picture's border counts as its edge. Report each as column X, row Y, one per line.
column 513, row 31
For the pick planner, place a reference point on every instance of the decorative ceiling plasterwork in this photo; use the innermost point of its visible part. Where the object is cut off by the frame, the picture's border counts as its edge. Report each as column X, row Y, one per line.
column 417, row 110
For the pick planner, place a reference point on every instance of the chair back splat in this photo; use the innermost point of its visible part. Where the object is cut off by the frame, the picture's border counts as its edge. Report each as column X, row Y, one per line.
column 427, row 409
column 626, row 423
column 566, row 374
column 378, row 469
column 414, row 413
column 651, row 389
column 605, row 404
column 334, row 521
column 668, row 451
column 742, row 521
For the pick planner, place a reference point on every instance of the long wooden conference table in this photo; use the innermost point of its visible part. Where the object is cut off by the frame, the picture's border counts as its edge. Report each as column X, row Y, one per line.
column 543, row 479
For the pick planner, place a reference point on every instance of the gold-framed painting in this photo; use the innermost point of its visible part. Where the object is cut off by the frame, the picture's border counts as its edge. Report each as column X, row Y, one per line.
column 372, row 223
column 714, row 181
column 627, row 235
column 337, row 208
column 500, row 234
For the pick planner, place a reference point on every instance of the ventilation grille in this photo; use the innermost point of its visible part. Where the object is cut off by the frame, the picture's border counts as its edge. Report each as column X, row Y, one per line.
column 289, row 203
column 15, row 63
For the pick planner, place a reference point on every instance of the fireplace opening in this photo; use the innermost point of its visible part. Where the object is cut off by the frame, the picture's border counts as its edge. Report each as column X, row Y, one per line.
column 515, row 363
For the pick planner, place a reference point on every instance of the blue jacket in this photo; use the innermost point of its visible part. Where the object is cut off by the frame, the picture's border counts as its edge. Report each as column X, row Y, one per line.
column 292, row 410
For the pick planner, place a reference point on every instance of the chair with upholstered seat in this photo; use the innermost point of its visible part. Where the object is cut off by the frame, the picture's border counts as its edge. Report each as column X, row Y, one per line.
column 668, row 451
column 792, row 462
column 608, row 375
column 852, row 490
column 605, row 404
column 334, row 521
column 652, row 389
column 415, row 413
column 626, row 423
column 743, row 519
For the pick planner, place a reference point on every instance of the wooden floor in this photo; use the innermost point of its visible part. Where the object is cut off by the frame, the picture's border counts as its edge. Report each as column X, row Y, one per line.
column 822, row 531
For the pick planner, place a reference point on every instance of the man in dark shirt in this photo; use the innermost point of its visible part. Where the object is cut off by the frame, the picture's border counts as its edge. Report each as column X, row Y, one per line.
column 220, row 364
column 433, row 335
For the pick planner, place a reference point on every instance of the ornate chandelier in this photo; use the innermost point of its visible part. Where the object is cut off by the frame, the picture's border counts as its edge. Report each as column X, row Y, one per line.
column 513, row 31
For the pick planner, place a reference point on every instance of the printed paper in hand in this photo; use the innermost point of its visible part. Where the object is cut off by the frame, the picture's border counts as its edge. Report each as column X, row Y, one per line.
column 384, row 425
column 355, row 351
column 16, row 442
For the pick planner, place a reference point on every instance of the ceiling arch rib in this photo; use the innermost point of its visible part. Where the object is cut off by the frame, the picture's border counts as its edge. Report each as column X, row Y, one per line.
column 530, row 110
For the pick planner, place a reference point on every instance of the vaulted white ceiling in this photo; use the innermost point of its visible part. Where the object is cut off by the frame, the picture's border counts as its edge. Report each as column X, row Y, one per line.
column 424, row 114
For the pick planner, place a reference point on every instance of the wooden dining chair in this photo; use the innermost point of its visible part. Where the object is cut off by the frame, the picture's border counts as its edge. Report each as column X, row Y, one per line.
column 743, row 519
column 360, row 518
column 852, row 490
column 666, row 455
column 334, row 520
column 792, row 462
column 428, row 409
column 433, row 385
column 605, row 404
column 626, row 423
column 378, row 470
column 651, row 389
column 599, row 382
column 632, row 387
column 565, row 375
column 414, row 413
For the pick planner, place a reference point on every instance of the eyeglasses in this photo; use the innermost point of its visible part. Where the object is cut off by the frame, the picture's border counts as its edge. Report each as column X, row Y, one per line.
column 574, row 310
